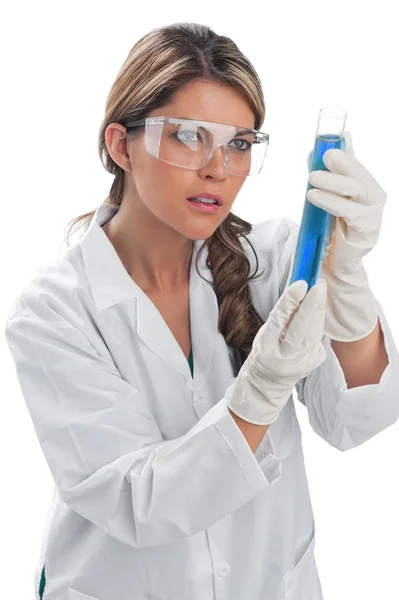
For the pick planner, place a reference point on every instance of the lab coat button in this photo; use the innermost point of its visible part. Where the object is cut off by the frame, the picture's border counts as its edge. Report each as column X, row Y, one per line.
column 224, row 570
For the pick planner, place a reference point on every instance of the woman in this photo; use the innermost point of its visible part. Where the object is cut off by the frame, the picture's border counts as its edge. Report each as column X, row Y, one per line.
column 159, row 382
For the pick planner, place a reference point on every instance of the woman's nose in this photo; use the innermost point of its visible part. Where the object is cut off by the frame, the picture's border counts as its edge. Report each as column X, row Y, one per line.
column 216, row 160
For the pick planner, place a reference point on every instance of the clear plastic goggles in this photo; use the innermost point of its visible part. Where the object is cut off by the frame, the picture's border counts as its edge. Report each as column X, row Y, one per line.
column 189, row 144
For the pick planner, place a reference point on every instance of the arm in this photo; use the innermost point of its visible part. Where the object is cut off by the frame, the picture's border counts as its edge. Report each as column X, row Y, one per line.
column 104, row 448
column 253, row 433
column 364, row 361
column 348, row 412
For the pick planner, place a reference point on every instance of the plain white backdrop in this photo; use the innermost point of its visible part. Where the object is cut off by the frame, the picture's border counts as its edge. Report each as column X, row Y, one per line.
column 58, row 61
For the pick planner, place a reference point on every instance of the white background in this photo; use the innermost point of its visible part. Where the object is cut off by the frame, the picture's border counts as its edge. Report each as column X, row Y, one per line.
column 58, row 61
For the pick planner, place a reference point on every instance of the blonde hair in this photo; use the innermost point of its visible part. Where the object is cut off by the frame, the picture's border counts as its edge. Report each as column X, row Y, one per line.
column 158, row 65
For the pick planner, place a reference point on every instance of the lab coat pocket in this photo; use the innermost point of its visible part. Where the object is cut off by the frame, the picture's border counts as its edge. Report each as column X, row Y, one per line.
column 75, row 595
column 302, row 582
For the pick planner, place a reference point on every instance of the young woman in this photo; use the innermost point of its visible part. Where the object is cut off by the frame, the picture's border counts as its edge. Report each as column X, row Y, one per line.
column 159, row 373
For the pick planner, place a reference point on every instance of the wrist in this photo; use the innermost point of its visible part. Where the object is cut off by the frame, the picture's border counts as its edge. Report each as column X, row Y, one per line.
column 351, row 307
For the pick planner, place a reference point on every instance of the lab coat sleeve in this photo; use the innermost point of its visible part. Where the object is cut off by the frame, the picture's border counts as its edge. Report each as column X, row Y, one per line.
column 345, row 418
column 105, row 451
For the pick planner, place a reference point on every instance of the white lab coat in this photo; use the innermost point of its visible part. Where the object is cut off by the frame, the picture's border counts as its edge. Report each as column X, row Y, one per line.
column 157, row 494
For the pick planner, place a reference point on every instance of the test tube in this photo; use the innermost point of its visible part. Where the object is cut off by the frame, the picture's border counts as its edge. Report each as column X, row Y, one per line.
column 317, row 224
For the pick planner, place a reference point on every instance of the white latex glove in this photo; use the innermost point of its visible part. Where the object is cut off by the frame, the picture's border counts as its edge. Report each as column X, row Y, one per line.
column 350, row 193
column 276, row 363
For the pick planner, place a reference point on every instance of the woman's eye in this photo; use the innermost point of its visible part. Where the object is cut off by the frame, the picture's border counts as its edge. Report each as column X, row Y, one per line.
column 192, row 136
column 245, row 146
column 181, row 135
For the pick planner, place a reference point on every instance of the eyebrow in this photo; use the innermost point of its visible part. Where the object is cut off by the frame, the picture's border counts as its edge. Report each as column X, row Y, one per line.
column 245, row 131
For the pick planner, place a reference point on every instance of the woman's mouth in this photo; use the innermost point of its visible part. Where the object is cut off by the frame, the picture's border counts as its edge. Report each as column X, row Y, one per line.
column 205, row 205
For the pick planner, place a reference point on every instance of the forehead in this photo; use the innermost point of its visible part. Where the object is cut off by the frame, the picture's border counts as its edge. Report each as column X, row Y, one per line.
column 209, row 101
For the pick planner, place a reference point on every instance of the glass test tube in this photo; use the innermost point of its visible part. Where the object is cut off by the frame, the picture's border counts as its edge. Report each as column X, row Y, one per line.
column 317, row 224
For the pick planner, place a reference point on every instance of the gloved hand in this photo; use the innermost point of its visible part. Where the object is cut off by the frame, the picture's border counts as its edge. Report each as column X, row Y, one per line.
column 350, row 193
column 276, row 363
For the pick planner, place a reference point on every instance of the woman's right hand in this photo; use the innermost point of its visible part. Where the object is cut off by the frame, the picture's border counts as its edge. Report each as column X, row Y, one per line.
column 276, row 363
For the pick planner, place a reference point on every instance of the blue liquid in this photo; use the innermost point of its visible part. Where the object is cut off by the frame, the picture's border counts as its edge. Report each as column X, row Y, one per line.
column 316, row 224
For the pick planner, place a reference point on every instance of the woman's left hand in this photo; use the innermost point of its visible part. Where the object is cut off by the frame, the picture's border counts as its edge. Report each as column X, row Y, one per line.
column 350, row 193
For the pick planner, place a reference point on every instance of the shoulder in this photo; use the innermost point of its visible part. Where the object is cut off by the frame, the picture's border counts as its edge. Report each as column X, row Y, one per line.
column 273, row 232
column 273, row 240
column 57, row 285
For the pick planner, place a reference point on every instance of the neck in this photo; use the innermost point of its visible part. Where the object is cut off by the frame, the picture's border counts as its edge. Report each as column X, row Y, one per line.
column 140, row 242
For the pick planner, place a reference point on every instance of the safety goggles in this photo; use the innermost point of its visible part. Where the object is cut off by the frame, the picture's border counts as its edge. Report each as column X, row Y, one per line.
column 189, row 144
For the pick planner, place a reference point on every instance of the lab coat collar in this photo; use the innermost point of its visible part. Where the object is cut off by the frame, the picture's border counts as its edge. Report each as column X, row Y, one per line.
column 109, row 281
column 111, row 284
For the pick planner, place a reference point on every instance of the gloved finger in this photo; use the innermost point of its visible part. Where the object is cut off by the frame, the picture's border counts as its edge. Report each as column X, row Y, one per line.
column 346, row 144
column 345, row 163
column 287, row 304
column 298, row 328
column 354, row 212
column 342, row 185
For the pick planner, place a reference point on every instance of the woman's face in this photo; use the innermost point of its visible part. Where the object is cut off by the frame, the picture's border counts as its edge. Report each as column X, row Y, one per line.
column 162, row 188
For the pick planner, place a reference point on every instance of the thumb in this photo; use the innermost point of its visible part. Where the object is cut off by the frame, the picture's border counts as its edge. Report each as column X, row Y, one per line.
column 286, row 306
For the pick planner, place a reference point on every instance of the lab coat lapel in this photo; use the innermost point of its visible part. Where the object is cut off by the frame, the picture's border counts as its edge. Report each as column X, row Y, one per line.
column 154, row 332
column 111, row 285
column 204, row 314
